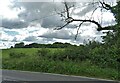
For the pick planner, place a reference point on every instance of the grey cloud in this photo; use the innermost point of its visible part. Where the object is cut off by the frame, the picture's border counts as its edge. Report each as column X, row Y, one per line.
column 86, row 8
column 51, row 22
column 46, row 40
column 30, row 16
column 68, row 35
column 42, row 12
column 30, row 38
column 61, row 34
column 14, row 39
column 54, row 21
column 36, row 5
column 13, row 23
column 38, row 9
column 39, row 40
column 3, row 40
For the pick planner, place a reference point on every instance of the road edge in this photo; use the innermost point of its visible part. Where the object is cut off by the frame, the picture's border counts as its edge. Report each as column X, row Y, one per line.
column 64, row 75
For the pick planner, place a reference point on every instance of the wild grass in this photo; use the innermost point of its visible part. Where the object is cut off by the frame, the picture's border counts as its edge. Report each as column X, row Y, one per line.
column 53, row 61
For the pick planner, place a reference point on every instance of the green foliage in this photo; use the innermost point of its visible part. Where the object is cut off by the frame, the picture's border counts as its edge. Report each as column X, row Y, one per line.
column 43, row 52
column 76, row 54
column 63, row 61
column 73, row 54
column 105, row 57
column 113, row 38
column 16, row 55
column 36, row 45
column 19, row 45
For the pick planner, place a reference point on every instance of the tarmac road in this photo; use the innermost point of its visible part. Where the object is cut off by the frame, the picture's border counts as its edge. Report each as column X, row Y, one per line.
column 15, row 75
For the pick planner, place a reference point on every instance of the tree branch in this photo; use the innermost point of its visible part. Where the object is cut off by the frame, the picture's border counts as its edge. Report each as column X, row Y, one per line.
column 92, row 21
column 61, row 27
column 106, row 28
column 93, row 12
column 67, row 9
column 106, row 6
column 69, row 19
column 78, row 30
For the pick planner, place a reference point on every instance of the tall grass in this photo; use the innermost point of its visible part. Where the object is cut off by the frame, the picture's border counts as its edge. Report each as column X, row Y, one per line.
column 55, row 61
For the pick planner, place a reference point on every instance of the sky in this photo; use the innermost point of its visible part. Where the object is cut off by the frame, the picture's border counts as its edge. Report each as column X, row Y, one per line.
column 34, row 22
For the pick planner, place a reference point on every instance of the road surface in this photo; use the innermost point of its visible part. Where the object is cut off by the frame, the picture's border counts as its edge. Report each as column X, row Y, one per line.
column 14, row 75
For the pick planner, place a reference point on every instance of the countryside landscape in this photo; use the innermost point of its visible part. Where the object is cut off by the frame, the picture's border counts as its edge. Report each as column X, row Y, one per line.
column 92, row 58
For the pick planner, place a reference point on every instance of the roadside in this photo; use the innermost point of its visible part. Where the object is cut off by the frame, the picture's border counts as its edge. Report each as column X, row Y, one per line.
column 15, row 75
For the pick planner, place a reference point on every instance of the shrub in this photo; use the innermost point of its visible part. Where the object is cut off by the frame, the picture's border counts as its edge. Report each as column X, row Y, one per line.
column 16, row 55
column 43, row 52
column 76, row 54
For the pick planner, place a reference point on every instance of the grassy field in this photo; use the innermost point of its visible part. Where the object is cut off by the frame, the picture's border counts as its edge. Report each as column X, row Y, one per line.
column 49, row 60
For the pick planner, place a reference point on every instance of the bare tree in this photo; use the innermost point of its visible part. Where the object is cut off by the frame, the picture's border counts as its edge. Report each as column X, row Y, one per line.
column 69, row 19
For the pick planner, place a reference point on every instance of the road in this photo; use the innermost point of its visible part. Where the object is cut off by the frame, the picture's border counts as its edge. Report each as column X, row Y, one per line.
column 14, row 75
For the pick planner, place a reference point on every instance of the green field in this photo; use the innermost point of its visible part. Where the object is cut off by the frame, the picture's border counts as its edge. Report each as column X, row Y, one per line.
column 54, row 60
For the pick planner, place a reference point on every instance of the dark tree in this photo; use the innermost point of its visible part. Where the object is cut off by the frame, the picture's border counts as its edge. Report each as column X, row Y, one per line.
column 19, row 45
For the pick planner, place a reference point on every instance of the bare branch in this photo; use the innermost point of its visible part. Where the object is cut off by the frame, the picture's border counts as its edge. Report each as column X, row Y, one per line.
column 67, row 9
column 106, row 6
column 92, row 21
column 78, row 30
column 61, row 15
column 93, row 12
column 61, row 27
column 106, row 28
column 69, row 19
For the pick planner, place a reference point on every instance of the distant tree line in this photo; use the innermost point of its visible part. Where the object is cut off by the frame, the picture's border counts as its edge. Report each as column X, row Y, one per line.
column 36, row 45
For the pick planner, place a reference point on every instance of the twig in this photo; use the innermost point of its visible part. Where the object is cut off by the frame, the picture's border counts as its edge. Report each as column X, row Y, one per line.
column 78, row 30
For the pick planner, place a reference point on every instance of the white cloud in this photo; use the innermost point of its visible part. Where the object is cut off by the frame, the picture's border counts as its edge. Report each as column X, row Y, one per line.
column 30, row 38
column 5, row 36
column 30, row 20
column 59, row 34
column 6, row 11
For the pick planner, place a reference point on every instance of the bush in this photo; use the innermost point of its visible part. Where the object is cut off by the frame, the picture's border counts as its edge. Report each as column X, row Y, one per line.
column 16, row 55
column 76, row 54
column 104, row 57
column 43, row 52
column 54, row 61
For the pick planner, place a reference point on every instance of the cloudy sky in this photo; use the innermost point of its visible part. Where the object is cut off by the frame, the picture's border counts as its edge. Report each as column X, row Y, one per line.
column 35, row 22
